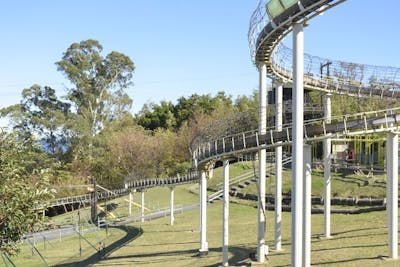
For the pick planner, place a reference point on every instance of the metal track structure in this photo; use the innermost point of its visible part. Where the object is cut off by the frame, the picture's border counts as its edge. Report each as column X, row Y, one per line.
column 142, row 184
column 270, row 23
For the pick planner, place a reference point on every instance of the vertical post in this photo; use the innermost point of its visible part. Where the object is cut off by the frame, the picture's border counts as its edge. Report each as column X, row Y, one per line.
column 225, row 227
column 262, row 129
column 297, row 168
column 203, row 213
column 130, row 203
column 79, row 231
column 93, row 194
column 327, row 170
column 142, row 207
column 278, row 168
column 307, row 207
column 392, row 157
column 172, row 218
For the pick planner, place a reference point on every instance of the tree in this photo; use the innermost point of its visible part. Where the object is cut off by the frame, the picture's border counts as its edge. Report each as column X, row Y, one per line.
column 187, row 107
column 41, row 113
column 99, row 83
column 153, row 116
column 23, row 189
column 97, row 94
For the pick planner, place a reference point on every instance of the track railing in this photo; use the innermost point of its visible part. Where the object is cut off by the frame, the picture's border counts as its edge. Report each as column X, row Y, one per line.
column 266, row 31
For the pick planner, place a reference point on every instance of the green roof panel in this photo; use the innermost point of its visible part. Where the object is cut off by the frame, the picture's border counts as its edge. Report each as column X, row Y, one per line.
column 288, row 3
column 275, row 8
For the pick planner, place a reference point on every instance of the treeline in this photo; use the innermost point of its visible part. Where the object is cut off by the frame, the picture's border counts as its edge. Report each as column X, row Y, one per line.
column 90, row 131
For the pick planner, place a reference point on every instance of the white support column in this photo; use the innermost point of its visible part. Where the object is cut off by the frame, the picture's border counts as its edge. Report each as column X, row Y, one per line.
column 130, row 203
column 142, row 207
column 307, row 207
column 278, row 168
column 262, row 128
column 225, row 227
column 297, row 162
column 392, row 157
column 327, row 170
column 171, row 208
column 203, row 213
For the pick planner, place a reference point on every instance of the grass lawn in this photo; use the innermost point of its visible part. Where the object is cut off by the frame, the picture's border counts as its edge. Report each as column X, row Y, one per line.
column 349, row 185
column 358, row 240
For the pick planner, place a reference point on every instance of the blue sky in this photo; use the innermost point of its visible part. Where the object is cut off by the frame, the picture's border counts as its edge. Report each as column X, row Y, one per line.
column 179, row 47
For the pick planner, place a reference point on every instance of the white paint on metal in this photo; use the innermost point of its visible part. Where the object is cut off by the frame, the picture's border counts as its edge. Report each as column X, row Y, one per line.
column 262, row 126
column 278, row 168
column 307, row 207
column 327, row 169
column 171, row 209
column 142, row 207
column 297, row 166
column 392, row 157
column 203, row 213
column 225, row 224
column 130, row 203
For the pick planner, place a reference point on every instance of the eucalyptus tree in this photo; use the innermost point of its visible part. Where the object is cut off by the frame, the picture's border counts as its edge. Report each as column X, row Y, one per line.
column 98, row 83
column 41, row 114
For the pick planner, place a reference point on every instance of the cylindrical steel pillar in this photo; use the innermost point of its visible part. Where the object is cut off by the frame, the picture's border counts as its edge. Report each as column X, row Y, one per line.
column 307, row 207
column 203, row 214
column 142, row 207
column 130, row 203
column 225, row 224
column 171, row 209
column 392, row 157
column 278, row 167
column 297, row 133
column 327, row 169
column 262, row 128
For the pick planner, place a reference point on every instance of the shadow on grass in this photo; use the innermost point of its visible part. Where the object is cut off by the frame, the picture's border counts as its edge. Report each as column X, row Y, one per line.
column 348, row 260
column 240, row 256
column 356, row 230
column 131, row 234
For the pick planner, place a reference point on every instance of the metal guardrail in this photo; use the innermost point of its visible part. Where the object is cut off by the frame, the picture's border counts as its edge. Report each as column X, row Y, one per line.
column 317, row 129
column 191, row 177
column 265, row 34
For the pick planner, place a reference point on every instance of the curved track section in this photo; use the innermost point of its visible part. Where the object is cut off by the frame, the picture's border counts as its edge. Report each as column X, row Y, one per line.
column 191, row 177
column 268, row 26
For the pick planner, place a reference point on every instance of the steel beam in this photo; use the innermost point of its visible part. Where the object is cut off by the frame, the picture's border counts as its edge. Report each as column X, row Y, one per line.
column 203, row 213
column 142, row 207
column 297, row 166
column 262, row 128
column 171, row 204
column 327, row 169
column 130, row 203
column 278, row 168
column 392, row 157
column 225, row 224
column 307, row 207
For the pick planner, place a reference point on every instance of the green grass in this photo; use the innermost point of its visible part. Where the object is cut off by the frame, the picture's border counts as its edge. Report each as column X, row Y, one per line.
column 66, row 250
column 234, row 170
column 358, row 240
column 155, row 199
column 350, row 185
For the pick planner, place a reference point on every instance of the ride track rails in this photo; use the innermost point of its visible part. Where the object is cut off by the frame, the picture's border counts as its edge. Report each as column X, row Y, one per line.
column 142, row 184
column 349, row 79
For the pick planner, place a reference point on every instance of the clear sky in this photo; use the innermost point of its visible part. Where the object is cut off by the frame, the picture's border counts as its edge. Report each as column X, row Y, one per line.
column 179, row 47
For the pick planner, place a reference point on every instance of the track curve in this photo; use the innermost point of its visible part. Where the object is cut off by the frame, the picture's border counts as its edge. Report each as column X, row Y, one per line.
column 351, row 79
